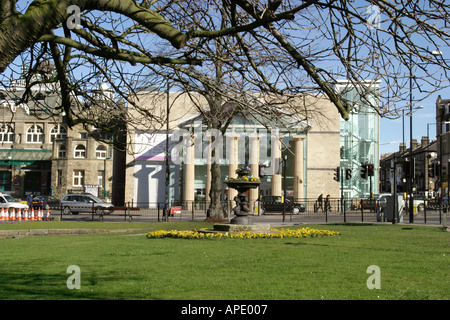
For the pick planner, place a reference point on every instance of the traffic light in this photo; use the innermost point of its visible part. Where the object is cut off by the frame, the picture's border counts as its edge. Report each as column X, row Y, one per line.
column 364, row 173
column 370, row 170
column 337, row 174
column 431, row 170
column 262, row 171
column 348, row 174
column 406, row 169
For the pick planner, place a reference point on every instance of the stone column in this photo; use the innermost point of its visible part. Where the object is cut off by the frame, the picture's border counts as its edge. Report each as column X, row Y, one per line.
column 233, row 162
column 208, row 169
column 276, row 162
column 254, row 168
column 189, row 170
column 298, row 166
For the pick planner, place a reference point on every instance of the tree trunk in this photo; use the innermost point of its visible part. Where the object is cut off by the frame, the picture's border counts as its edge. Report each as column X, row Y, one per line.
column 215, row 208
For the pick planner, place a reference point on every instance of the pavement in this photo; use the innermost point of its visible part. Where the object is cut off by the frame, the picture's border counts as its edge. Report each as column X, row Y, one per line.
column 275, row 221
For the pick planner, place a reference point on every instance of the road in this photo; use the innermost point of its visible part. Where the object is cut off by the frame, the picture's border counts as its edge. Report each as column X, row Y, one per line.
column 431, row 217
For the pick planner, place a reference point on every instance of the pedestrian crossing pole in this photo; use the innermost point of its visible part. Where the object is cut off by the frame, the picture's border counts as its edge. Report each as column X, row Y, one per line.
column 284, row 187
column 342, row 189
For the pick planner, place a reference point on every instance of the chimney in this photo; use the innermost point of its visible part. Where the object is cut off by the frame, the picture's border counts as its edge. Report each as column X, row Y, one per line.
column 425, row 141
column 415, row 144
column 402, row 147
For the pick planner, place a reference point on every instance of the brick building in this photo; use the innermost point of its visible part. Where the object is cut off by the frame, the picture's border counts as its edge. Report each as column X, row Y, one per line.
column 40, row 155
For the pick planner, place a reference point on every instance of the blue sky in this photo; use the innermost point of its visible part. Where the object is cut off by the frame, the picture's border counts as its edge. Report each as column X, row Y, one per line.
column 391, row 130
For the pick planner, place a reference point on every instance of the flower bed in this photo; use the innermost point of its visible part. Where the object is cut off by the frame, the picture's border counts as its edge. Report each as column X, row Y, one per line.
column 274, row 234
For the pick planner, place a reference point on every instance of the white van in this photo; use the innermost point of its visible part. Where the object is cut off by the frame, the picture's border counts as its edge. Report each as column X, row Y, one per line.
column 7, row 202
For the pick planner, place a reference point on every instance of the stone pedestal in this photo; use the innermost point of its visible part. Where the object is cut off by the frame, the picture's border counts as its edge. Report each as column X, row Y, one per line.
column 226, row 227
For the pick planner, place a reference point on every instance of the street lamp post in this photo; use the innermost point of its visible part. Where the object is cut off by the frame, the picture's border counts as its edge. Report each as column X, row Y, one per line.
column 167, row 173
column 438, row 53
column 441, row 178
column 411, row 162
column 411, row 166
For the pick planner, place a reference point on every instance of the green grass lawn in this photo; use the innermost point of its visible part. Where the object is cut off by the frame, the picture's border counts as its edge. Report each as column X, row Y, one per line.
column 413, row 260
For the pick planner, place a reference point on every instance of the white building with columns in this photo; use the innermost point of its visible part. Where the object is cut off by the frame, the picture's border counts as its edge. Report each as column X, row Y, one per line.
column 311, row 145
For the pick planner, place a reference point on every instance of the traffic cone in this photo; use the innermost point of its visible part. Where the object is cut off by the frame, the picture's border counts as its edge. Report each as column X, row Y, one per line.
column 32, row 215
column 12, row 215
column 25, row 215
column 48, row 215
column 19, row 215
column 2, row 215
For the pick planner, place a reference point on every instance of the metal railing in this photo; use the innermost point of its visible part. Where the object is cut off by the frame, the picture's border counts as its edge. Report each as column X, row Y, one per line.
column 350, row 210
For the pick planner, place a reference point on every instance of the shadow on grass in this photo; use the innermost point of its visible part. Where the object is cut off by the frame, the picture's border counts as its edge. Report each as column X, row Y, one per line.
column 306, row 244
column 44, row 286
column 351, row 224
column 35, row 286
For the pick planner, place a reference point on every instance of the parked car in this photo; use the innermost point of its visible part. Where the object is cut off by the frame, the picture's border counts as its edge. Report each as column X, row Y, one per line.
column 378, row 200
column 7, row 202
column 374, row 202
column 84, row 202
column 45, row 202
column 275, row 204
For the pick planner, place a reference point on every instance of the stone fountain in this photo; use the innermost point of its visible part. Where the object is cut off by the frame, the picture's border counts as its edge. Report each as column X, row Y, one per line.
column 241, row 221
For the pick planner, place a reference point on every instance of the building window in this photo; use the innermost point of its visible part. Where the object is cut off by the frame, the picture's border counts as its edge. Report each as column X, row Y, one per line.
column 100, row 174
column 78, row 178
column 59, row 178
column 80, row 151
column 100, row 153
column 35, row 134
column 58, row 132
column 5, row 180
column 445, row 127
column 62, row 151
column 6, row 133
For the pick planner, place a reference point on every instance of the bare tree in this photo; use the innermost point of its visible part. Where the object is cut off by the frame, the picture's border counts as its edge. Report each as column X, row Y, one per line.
column 273, row 47
column 231, row 78
column 328, row 40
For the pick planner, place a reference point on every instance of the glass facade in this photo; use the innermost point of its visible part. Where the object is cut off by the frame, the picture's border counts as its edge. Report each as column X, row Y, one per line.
column 359, row 140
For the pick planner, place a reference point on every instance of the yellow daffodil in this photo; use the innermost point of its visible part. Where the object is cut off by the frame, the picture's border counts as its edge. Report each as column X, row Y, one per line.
column 281, row 234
